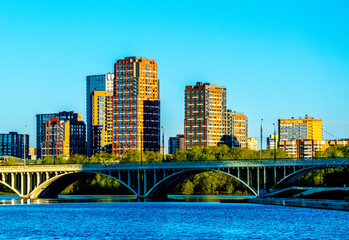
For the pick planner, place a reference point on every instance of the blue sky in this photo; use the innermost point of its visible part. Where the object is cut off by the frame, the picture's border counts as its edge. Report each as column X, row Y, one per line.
column 278, row 59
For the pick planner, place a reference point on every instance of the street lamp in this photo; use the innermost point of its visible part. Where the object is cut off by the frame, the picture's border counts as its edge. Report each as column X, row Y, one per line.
column 261, row 139
column 274, row 142
column 141, row 146
column 163, row 144
column 24, row 144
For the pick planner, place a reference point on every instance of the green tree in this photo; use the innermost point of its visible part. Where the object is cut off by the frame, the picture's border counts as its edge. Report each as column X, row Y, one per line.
column 11, row 161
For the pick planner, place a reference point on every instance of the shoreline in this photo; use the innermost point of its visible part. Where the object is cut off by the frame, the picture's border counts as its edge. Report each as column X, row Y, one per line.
column 305, row 203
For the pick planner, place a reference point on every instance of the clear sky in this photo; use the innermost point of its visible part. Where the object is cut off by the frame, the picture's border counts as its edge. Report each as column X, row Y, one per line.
column 278, row 59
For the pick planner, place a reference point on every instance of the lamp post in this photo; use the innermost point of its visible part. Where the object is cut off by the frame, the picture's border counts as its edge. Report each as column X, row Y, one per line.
column 24, row 145
column 274, row 142
column 163, row 144
column 261, row 139
column 142, row 146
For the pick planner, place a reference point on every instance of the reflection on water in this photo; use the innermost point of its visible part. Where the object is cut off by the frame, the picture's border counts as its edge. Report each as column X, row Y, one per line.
column 14, row 199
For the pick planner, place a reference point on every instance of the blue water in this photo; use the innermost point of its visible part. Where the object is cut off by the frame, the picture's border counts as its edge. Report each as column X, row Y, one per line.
column 169, row 220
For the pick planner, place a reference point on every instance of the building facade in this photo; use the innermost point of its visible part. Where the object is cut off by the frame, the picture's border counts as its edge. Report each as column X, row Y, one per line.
column 272, row 141
column 175, row 143
column 102, row 82
column 239, row 129
column 41, row 120
column 303, row 148
column 102, row 121
column 14, row 144
column 136, row 106
column 64, row 138
column 205, row 108
column 32, row 153
column 302, row 128
column 252, row 143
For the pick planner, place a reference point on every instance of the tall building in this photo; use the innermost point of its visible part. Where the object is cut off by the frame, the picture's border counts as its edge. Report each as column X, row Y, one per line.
column 103, row 82
column 205, row 108
column 239, row 129
column 14, row 144
column 136, row 106
column 41, row 119
column 177, row 142
column 302, row 128
column 102, row 121
column 64, row 138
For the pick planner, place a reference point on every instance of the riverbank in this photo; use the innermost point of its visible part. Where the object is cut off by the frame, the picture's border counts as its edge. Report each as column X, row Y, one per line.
column 306, row 203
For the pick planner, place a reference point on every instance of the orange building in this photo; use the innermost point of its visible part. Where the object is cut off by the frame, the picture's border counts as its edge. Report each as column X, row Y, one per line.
column 136, row 105
column 63, row 138
column 205, row 107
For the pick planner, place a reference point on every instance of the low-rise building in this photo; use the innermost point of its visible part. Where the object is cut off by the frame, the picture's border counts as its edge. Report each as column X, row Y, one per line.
column 64, row 138
column 177, row 142
column 32, row 153
column 14, row 144
column 338, row 142
column 303, row 148
column 272, row 141
column 252, row 143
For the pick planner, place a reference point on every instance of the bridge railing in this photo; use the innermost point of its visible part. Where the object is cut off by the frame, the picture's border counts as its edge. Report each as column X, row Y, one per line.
column 185, row 165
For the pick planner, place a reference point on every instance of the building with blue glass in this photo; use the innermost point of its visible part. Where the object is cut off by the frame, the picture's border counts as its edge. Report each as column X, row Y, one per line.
column 103, row 82
column 14, row 144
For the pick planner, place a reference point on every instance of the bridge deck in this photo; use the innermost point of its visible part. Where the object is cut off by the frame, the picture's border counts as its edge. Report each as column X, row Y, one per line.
column 174, row 165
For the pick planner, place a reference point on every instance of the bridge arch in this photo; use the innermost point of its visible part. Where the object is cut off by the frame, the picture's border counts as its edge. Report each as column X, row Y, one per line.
column 52, row 187
column 293, row 177
column 158, row 190
column 10, row 187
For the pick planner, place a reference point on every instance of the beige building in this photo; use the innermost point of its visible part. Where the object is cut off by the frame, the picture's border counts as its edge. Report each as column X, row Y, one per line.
column 239, row 129
column 252, row 143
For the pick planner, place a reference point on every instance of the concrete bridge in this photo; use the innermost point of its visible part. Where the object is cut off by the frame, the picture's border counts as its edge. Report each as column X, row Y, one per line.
column 154, row 180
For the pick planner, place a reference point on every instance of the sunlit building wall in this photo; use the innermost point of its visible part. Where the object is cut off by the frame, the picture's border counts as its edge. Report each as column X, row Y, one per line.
column 302, row 128
column 239, row 127
column 252, row 143
column 205, row 108
column 41, row 119
column 102, row 121
column 64, row 138
column 136, row 122
column 102, row 82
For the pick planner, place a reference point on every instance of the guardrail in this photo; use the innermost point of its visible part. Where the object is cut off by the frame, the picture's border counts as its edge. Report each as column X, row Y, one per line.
column 170, row 165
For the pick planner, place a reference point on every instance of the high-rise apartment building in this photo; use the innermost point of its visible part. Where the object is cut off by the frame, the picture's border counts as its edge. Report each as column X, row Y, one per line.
column 64, row 138
column 41, row 119
column 102, row 121
column 103, row 82
column 14, row 144
column 136, row 106
column 205, row 108
column 302, row 128
column 239, row 129
column 175, row 143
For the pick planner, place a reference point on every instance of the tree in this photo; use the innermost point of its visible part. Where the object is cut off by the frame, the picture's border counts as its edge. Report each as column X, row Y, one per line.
column 11, row 161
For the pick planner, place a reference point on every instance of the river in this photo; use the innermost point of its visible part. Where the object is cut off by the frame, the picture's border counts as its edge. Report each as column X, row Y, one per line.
column 75, row 218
